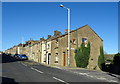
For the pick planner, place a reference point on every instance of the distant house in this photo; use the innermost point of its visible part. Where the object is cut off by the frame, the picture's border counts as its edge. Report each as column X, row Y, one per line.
column 1, row 52
column 109, row 58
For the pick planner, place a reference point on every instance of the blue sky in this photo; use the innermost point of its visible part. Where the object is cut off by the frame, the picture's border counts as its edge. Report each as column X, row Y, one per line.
column 36, row 20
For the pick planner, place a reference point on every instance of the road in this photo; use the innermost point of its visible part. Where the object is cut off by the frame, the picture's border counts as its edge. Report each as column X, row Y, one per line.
column 17, row 71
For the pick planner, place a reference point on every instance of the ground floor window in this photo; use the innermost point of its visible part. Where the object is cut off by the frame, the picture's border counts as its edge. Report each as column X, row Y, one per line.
column 85, row 41
column 56, row 58
column 44, row 57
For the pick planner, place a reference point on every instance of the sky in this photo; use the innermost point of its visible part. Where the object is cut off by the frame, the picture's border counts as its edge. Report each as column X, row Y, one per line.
column 25, row 20
column 60, row 0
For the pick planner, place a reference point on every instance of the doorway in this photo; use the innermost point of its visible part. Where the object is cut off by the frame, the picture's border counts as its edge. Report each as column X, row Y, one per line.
column 64, row 59
column 49, row 54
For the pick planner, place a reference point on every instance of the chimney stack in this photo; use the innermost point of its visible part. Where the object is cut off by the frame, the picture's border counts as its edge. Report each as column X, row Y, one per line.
column 49, row 36
column 42, row 39
column 66, row 31
column 57, row 33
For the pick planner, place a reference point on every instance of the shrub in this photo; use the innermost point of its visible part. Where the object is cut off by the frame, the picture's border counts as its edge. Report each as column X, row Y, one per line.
column 101, row 60
column 116, row 60
column 82, row 55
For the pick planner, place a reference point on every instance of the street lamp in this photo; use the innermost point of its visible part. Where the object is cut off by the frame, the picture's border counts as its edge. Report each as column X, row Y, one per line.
column 68, row 32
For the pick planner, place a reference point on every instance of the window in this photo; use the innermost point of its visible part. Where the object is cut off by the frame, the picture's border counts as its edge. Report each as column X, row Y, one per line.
column 56, row 58
column 44, row 57
column 57, row 42
column 48, row 46
column 73, row 41
column 84, row 40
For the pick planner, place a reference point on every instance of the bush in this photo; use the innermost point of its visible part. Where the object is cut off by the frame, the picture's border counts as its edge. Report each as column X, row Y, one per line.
column 116, row 60
column 82, row 55
column 101, row 60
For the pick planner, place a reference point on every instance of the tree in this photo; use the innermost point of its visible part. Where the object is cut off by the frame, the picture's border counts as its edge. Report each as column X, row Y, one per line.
column 82, row 55
column 101, row 60
column 116, row 59
column 116, row 64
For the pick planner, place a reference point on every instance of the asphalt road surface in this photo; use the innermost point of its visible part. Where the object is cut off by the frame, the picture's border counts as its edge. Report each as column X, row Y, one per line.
column 16, row 71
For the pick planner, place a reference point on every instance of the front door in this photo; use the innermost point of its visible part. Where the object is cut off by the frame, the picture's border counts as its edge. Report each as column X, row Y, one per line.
column 49, row 58
column 64, row 59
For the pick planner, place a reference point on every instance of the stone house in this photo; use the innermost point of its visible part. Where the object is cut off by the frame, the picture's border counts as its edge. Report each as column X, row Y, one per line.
column 14, row 50
column 54, row 49
column 43, row 50
column 48, row 52
column 59, row 55
column 35, row 52
column 19, row 48
column 8, row 51
column 49, row 47
column 39, row 51
column 30, row 49
column 108, row 58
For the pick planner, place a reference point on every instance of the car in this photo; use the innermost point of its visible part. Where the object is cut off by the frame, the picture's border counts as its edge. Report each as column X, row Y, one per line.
column 9, row 54
column 12, row 55
column 15, row 55
column 22, row 57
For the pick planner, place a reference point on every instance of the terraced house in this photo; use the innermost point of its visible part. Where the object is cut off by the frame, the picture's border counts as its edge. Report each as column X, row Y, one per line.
column 54, row 49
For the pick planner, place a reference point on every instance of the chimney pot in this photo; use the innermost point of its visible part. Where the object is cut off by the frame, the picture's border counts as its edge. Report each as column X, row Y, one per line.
column 66, row 31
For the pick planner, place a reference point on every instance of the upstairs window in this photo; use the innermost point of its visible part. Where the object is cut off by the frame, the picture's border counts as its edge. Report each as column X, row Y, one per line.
column 57, row 42
column 48, row 46
column 73, row 41
column 84, row 40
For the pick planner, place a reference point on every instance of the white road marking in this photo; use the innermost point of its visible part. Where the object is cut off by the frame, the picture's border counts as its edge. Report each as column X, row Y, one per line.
column 23, row 64
column 36, row 70
column 83, row 73
column 113, row 81
column 107, row 79
column 60, row 80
